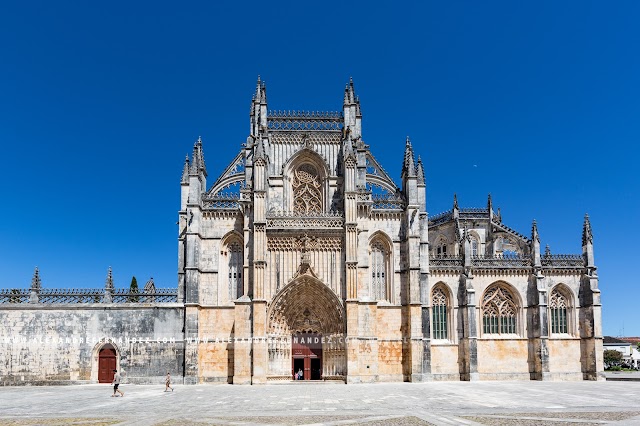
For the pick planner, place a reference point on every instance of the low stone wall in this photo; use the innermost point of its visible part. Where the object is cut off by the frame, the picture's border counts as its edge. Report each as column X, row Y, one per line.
column 59, row 344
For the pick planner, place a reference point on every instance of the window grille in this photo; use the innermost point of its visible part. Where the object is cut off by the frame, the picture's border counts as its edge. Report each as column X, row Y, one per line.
column 378, row 271
column 474, row 247
column 499, row 312
column 440, row 326
column 235, row 271
column 558, row 306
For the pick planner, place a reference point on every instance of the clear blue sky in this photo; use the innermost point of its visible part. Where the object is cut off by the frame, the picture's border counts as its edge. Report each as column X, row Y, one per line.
column 537, row 103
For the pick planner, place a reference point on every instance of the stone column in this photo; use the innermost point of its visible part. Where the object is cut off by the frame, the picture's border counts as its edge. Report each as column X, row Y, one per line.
column 242, row 341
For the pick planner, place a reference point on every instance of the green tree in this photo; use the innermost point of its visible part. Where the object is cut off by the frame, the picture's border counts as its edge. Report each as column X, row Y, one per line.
column 133, row 291
column 612, row 357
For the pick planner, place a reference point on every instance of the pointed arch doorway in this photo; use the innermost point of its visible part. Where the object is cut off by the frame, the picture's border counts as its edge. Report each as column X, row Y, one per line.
column 306, row 356
column 306, row 332
column 106, row 363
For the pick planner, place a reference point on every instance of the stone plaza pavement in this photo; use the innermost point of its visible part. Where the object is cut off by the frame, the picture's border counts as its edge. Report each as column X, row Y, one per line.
column 436, row 403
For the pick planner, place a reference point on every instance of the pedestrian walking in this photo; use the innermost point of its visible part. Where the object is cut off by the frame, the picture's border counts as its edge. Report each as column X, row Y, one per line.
column 167, row 383
column 116, row 383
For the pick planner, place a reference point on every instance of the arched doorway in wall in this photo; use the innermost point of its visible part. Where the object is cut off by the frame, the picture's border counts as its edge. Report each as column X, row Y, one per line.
column 107, row 361
column 306, row 332
column 306, row 356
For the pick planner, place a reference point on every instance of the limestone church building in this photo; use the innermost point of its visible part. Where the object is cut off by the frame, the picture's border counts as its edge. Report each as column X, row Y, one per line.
column 303, row 259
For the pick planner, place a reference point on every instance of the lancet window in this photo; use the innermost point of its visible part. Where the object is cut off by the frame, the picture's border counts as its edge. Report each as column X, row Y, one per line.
column 440, row 317
column 234, row 253
column 499, row 311
column 559, row 307
column 379, row 271
column 474, row 247
column 307, row 190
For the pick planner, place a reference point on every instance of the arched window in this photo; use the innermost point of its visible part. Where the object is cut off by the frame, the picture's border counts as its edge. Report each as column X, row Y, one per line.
column 474, row 247
column 440, row 323
column 379, row 271
column 307, row 190
column 499, row 311
column 234, row 253
column 559, row 307
column 441, row 247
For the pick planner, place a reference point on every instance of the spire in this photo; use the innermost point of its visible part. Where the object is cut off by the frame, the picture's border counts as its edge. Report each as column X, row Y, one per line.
column 455, row 202
column 263, row 94
column 535, row 246
column 346, row 95
column 258, row 95
column 489, row 204
column 185, row 171
column 108, row 288
column 108, row 283
column 535, row 237
column 547, row 251
column 420, row 172
column 36, row 282
column 587, row 235
column 197, row 165
column 36, row 285
column 409, row 163
column 348, row 146
column 499, row 216
column 466, row 248
column 352, row 92
column 150, row 286
column 259, row 153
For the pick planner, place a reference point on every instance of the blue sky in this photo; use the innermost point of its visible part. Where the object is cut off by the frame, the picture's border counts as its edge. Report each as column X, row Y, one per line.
column 536, row 103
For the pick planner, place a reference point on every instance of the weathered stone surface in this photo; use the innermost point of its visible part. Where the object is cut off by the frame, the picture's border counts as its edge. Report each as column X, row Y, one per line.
column 45, row 345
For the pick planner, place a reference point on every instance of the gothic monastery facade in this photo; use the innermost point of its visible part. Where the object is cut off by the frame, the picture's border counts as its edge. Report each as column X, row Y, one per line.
column 305, row 260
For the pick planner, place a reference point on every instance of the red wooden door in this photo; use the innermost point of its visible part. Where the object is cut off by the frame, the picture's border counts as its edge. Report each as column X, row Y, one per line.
column 106, row 364
column 306, row 347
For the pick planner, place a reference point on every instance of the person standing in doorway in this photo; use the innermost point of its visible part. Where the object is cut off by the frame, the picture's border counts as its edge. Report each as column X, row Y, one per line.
column 116, row 383
column 167, row 383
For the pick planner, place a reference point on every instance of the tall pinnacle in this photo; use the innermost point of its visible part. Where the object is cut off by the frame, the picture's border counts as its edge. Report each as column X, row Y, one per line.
column 108, row 284
column 534, row 232
column 455, row 201
column 409, row 162
column 36, row 282
column 185, row 171
column 420, row 172
column 587, row 234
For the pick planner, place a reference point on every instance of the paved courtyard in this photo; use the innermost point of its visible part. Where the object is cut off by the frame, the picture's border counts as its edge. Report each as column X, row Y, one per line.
column 439, row 403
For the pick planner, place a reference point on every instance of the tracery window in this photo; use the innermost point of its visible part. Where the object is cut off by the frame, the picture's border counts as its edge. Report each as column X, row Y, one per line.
column 235, row 270
column 558, row 306
column 440, row 323
column 307, row 190
column 379, row 261
column 499, row 311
